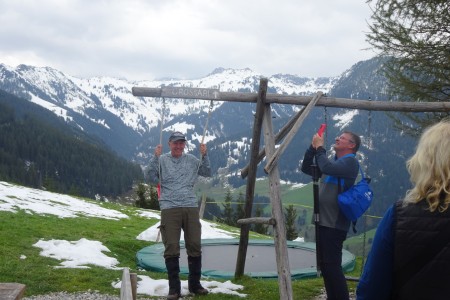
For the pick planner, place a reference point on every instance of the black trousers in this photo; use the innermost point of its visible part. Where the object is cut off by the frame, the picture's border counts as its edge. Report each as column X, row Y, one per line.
column 331, row 241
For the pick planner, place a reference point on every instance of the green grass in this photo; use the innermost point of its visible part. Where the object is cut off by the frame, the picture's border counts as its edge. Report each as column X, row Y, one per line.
column 300, row 198
column 21, row 262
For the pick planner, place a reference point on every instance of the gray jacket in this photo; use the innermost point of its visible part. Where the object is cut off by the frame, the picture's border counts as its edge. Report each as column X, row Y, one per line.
column 178, row 176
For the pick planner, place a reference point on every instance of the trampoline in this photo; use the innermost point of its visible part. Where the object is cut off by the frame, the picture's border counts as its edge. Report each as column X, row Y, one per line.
column 219, row 259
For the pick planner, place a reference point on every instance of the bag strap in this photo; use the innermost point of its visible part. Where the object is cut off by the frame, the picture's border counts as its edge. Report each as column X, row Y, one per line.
column 360, row 170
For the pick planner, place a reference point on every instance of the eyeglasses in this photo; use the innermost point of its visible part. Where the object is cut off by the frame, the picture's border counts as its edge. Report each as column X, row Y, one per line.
column 345, row 139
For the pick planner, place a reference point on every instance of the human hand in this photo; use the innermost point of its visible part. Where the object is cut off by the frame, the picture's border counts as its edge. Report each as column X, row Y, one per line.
column 203, row 149
column 317, row 141
column 158, row 150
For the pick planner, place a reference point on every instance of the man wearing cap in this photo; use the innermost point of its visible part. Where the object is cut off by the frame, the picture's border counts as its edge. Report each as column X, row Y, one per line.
column 177, row 172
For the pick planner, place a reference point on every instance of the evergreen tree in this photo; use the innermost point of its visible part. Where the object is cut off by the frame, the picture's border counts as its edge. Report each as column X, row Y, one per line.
column 415, row 34
column 45, row 152
column 140, row 192
column 154, row 201
column 147, row 197
column 239, row 213
column 227, row 214
column 212, row 210
column 290, row 217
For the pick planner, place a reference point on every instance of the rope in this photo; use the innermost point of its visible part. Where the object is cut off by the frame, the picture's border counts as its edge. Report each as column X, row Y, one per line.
column 163, row 109
column 326, row 128
column 211, row 105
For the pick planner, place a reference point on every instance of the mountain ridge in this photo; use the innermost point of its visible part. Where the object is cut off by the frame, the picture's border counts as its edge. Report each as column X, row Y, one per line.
column 105, row 107
column 107, row 102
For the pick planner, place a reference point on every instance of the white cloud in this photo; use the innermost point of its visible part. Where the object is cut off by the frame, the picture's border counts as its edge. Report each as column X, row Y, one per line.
column 150, row 39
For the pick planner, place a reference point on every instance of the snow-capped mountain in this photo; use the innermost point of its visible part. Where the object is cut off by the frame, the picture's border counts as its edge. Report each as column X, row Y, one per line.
column 107, row 105
column 129, row 125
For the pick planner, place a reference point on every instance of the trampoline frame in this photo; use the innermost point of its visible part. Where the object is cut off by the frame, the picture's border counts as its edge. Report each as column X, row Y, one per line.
column 154, row 260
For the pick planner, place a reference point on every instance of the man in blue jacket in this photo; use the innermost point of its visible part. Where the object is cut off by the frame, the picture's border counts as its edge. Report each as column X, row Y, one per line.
column 177, row 172
column 333, row 225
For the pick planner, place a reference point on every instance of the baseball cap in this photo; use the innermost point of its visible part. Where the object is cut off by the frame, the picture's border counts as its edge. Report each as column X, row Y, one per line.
column 177, row 136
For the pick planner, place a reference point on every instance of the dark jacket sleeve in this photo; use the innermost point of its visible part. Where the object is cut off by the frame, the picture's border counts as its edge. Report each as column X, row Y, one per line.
column 308, row 161
column 343, row 168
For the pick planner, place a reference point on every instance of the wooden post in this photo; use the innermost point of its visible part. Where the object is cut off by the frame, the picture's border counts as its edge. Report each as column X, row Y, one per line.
column 271, row 162
column 125, row 288
column 279, row 229
column 278, row 137
column 202, row 206
column 11, row 291
column 251, row 179
column 257, row 220
column 133, row 281
column 158, row 236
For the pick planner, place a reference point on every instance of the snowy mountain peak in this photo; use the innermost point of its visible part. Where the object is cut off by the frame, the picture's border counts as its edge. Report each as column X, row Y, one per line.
column 107, row 103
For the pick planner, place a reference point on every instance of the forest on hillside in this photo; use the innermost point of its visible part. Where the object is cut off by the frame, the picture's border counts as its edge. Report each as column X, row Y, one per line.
column 39, row 150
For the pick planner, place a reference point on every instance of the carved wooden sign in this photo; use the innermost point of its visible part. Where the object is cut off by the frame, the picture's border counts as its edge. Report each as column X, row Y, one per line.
column 192, row 93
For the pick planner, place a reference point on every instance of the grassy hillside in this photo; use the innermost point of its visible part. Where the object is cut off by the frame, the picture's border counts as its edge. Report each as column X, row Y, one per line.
column 302, row 199
column 21, row 262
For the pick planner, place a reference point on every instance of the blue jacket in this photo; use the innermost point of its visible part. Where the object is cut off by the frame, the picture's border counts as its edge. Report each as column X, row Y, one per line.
column 376, row 280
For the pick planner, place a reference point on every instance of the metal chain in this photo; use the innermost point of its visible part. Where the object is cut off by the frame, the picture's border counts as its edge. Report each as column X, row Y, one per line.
column 211, row 105
column 326, row 128
column 163, row 110
column 369, row 144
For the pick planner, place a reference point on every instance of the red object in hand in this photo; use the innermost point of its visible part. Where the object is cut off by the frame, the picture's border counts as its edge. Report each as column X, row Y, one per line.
column 158, row 190
column 321, row 129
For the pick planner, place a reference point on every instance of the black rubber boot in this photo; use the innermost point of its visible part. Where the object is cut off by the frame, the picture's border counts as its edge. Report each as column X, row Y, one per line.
column 195, row 271
column 173, row 271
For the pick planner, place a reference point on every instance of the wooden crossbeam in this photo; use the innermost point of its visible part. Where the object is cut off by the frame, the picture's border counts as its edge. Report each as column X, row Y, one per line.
column 373, row 105
column 260, row 220
column 11, row 291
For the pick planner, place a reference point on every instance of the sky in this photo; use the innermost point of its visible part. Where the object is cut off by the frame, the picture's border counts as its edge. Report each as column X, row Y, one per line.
column 185, row 39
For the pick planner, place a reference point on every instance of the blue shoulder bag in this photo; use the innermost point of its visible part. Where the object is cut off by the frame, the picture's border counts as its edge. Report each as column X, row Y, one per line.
column 356, row 200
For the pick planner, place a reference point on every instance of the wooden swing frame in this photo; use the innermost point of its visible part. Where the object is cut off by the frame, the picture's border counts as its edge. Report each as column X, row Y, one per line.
column 263, row 122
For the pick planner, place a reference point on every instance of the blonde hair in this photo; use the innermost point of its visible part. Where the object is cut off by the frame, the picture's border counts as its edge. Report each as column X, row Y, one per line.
column 429, row 168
